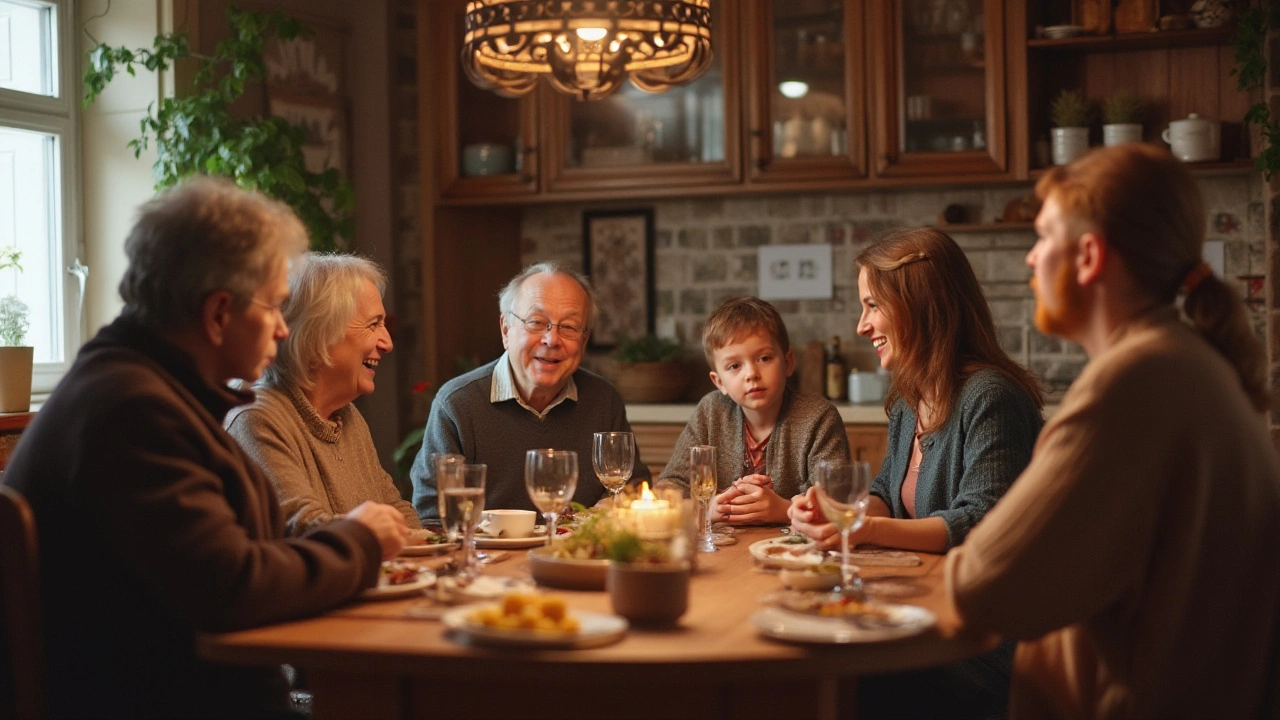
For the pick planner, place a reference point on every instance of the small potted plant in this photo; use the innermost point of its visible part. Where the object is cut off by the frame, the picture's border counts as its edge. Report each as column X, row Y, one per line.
column 1122, row 114
column 1069, row 113
column 650, row 369
column 15, row 358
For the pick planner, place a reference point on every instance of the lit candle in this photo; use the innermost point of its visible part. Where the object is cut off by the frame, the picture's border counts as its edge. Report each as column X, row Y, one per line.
column 653, row 516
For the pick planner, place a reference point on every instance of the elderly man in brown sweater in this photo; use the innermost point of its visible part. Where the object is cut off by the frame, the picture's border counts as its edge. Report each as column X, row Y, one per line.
column 153, row 524
column 1138, row 556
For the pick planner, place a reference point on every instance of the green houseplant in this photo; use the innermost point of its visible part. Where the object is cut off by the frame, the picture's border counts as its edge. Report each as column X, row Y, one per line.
column 196, row 133
column 1069, row 113
column 16, row 359
column 1250, row 41
column 1122, row 114
column 650, row 369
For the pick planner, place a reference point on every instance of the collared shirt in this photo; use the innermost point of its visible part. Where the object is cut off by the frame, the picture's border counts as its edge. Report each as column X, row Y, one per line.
column 503, row 387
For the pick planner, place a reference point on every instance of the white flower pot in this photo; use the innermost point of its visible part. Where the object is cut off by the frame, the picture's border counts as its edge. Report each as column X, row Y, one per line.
column 1069, row 143
column 1121, row 133
column 15, row 378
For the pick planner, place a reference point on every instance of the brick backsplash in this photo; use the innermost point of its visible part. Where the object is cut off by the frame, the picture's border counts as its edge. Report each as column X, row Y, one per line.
column 706, row 250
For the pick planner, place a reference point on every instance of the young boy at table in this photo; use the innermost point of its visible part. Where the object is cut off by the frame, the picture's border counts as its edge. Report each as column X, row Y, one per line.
column 769, row 437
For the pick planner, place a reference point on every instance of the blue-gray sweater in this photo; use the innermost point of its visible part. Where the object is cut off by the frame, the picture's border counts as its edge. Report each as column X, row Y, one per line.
column 464, row 421
column 970, row 461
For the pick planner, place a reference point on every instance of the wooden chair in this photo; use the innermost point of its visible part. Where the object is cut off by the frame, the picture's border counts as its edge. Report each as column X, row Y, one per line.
column 21, row 649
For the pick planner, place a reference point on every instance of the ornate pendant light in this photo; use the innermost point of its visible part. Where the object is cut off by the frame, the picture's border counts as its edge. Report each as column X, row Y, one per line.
column 586, row 48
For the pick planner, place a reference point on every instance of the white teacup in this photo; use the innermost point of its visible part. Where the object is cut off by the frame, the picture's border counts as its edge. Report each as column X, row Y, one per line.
column 508, row 523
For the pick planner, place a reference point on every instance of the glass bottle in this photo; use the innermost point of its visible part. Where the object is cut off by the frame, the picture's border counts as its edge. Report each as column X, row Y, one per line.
column 837, row 389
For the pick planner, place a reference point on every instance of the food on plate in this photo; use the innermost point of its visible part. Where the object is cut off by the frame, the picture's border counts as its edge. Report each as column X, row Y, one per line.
column 396, row 572
column 834, row 604
column 527, row 611
column 815, row 577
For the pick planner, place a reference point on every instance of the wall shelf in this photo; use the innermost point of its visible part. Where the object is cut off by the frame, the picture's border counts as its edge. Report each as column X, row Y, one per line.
column 987, row 227
column 1134, row 41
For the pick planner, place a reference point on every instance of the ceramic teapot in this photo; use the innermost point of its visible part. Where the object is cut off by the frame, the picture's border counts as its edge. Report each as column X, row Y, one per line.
column 1194, row 139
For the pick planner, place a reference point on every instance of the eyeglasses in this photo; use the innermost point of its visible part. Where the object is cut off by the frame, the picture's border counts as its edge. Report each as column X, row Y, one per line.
column 542, row 327
column 277, row 309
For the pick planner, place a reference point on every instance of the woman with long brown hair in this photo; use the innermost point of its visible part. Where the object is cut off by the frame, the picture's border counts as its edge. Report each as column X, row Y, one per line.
column 963, row 416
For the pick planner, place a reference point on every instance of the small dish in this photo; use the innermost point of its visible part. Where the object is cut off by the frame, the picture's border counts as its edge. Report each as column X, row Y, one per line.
column 788, row 551
column 596, row 629
column 425, row 579
column 900, row 621
column 567, row 573
column 1061, row 32
column 817, row 577
column 539, row 537
column 429, row 549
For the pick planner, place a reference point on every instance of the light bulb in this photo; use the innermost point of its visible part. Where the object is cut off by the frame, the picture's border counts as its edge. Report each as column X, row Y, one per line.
column 592, row 34
column 793, row 89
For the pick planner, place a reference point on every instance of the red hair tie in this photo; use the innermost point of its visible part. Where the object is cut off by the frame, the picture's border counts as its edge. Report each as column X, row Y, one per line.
column 1195, row 277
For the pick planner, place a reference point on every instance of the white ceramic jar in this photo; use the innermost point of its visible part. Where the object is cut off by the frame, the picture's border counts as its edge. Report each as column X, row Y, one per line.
column 1194, row 139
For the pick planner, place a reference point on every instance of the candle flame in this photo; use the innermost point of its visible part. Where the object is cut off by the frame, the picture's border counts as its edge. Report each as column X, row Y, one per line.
column 645, row 493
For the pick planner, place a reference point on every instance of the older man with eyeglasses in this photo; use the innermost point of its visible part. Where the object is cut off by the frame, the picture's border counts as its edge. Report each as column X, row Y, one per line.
column 535, row 395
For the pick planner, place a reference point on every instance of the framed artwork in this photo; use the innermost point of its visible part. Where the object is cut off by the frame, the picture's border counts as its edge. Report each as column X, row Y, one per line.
column 305, row 86
column 618, row 258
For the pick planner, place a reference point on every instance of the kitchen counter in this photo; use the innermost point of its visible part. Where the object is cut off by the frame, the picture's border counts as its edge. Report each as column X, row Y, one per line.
column 645, row 413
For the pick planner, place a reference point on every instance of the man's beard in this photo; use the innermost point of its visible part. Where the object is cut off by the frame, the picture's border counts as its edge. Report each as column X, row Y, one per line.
column 1071, row 311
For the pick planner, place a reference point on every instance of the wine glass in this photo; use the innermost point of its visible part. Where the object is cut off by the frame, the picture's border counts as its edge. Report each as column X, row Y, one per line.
column 462, row 491
column 703, row 485
column 550, row 476
column 613, row 455
column 843, row 490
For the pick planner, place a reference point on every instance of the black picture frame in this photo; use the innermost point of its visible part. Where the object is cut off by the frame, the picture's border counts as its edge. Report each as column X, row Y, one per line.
column 617, row 256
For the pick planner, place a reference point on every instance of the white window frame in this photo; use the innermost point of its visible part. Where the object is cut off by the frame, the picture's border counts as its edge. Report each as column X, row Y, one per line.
column 58, row 115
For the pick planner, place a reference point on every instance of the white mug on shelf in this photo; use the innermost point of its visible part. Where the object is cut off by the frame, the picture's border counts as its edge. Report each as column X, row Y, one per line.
column 1194, row 139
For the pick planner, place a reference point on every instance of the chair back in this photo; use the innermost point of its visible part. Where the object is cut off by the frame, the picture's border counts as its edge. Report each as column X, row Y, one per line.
column 21, row 649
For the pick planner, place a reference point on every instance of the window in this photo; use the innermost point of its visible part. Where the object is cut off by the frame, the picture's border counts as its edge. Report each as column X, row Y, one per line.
column 39, row 177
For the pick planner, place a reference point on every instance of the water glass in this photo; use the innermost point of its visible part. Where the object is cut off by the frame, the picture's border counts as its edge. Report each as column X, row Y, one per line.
column 445, row 464
column 550, row 476
column 703, row 486
column 843, row 493
column 613, row 457
column 462, row 492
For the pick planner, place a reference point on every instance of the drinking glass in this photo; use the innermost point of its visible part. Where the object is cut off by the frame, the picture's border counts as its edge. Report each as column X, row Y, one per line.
column 445, row 464
column 703, row 484
column 462, row 491
column 550, row 476
column 613, row 456
column 843, row 490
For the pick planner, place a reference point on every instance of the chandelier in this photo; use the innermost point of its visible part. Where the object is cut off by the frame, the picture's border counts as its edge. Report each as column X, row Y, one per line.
column 586, row 48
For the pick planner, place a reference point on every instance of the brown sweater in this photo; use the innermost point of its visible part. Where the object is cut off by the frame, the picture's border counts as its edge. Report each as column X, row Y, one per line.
column 154, row 526
column 1138, row 556
column 320, row 468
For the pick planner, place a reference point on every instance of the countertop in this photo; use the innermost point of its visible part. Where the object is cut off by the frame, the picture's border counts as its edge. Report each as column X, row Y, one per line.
column 642, row 413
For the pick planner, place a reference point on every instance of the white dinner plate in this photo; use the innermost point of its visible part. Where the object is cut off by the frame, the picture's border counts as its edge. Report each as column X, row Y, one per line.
column 390, row 592
column 785, row 552
column 596, row 630
column 431, row 549
column 539, row 537
column 903, row 621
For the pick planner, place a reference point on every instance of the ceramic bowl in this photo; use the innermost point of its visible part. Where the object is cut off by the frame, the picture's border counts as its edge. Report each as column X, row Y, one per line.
column 647, row 593
column 566, row 573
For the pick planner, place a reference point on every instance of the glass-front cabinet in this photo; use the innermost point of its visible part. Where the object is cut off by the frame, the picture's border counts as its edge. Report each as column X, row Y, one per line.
column 937, row 74
column 487, row 145
column 805, row 97
column 687, row 135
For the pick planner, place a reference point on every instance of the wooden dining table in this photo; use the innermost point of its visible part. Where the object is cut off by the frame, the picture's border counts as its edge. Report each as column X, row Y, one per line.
column 390, row 659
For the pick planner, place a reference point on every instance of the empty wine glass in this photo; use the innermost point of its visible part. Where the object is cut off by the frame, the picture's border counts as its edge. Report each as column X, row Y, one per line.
column 613, row 456
column 703, row 485
column 462, row 491
column 550, row 476
column 843, row 494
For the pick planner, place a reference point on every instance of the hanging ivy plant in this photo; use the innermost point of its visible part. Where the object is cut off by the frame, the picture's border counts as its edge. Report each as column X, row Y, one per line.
column 197, row 134
column 1251, row 72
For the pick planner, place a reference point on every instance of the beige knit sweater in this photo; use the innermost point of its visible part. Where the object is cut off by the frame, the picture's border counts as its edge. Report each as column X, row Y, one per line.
column 320, row 468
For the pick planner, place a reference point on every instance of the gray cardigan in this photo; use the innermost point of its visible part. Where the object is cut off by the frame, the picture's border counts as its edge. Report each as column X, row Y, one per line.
column 808, row 429
column 970, row 461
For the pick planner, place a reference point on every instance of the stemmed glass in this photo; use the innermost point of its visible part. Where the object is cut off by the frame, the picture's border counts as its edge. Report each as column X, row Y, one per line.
column 613, row 456
column 550, row 476
column 843, row 490
column 462, row 493
column 703, row 484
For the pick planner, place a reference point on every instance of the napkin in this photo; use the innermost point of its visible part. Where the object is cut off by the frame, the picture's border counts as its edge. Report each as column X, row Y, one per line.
column 891, row 558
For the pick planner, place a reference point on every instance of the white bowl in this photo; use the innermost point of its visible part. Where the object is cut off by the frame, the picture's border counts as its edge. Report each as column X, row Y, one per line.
column 820, row 577
column 1059, row 32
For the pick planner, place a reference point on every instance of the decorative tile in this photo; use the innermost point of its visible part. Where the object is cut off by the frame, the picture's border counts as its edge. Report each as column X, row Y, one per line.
column 753, row 236
column 694, row 238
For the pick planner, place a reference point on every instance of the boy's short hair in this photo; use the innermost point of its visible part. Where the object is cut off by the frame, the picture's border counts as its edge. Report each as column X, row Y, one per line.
column 739, row 317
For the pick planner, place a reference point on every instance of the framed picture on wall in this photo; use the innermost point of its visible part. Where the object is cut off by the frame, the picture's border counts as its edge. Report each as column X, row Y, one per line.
column 618, row 258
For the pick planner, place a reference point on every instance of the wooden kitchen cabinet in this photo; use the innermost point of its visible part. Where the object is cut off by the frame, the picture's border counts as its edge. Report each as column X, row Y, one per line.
column 936, row 69
column 657, row 440
column 805, row 96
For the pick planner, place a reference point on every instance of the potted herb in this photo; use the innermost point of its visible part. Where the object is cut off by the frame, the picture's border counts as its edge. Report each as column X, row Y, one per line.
column 1122, row 114
column 650, row 369
column 16, row 359
column 1069, row 113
